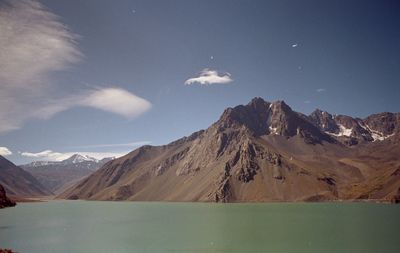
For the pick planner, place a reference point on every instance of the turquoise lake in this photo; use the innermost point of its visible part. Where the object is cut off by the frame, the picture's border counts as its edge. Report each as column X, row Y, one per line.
column 91, row 226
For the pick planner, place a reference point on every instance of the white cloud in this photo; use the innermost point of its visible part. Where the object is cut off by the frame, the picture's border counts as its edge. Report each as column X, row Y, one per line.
column 117, row 101
column 5, row 151
column 208, row 77
column 114, row 100
column 46, row 154
column 49, row 155
column 33, row 45
column 321, row 90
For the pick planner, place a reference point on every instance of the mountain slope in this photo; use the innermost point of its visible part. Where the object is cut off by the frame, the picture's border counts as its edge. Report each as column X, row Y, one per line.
column 256, row 152
column 18, row 182
column 56, row 176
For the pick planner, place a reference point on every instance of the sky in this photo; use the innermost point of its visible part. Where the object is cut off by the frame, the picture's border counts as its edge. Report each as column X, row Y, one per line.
column 105, row 77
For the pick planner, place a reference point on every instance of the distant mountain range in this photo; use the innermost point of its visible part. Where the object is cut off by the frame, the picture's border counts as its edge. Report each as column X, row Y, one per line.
column 260, row 152
column 57, row 175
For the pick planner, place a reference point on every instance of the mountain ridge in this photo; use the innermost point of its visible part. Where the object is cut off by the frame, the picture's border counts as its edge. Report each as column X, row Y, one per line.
column 258, row 152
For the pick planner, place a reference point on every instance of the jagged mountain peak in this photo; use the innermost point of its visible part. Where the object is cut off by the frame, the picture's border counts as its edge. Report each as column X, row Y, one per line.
column 280, row 105
column 258, row 104
column 260, row 117
column 319, row 112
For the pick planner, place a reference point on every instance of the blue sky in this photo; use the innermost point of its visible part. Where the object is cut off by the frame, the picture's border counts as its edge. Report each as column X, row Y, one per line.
column 104, row 77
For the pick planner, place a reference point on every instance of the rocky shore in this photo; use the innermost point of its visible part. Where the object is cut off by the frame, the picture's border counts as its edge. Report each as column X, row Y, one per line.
column 5, row 202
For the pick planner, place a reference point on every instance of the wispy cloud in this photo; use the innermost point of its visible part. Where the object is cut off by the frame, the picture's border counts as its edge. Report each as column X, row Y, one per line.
column 49, row 155
column 33, row 45
column 114, row 100
column 208, row 77
column 117, row 101
column 5, row 151
column 321, row 90
column 114, row 145
column 32, row 42
column 46, row 154
column 307, row 102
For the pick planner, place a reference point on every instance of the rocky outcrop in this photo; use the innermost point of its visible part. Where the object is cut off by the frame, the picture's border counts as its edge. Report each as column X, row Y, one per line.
column 4, row 200
column 7, row 251
column 395, row 199
column 223, row 193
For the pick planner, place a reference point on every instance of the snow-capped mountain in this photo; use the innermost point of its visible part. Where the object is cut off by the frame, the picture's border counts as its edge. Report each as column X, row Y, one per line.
column 78, row 158
column 57, row 174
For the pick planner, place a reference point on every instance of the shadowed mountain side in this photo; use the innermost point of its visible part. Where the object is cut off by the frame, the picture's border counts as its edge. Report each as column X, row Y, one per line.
column 18, row 182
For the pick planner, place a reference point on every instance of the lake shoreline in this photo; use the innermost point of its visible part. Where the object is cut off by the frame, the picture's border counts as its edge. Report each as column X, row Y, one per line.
column 48, row 198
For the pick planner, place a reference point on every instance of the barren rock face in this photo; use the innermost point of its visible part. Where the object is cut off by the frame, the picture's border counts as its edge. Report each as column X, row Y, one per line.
column 324, row 121
column 261, row 151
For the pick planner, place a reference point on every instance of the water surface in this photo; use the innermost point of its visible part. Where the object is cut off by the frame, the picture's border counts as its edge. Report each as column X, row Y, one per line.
column 82, row 226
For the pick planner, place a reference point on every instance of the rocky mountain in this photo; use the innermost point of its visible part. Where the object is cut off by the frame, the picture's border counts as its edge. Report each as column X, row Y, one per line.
column 352, row 131
column 4, row 200
column 259, row 152
column 18, row 182
column 57, row 175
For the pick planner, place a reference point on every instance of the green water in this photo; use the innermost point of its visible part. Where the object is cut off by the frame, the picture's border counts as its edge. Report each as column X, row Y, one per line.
column 79, row 226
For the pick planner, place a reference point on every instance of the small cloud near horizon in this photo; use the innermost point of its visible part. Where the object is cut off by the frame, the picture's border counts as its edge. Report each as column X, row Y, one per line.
column 4, row 151
column 321, row 90
column 209, row 77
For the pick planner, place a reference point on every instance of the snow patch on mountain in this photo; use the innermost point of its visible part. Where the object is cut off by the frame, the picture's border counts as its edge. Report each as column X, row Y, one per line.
column 77, row 158
column 378, row 136
column 343, row 131
column 273, row 130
